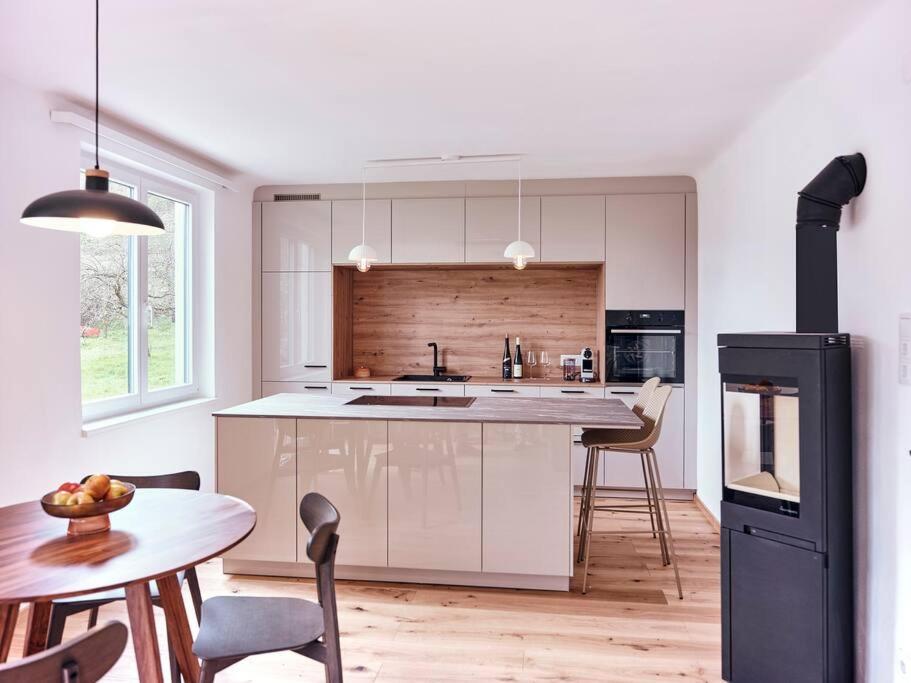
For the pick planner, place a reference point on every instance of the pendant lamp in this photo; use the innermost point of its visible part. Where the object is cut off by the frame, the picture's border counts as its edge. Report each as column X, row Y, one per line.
column 94, row 210
column 363, row 255
column 519, row 251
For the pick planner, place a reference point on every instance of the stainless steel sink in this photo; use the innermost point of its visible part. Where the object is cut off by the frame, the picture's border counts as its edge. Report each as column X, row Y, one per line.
column 432, row 378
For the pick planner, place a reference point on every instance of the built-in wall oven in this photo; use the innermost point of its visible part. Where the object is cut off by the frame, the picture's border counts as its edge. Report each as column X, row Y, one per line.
column 644, row 344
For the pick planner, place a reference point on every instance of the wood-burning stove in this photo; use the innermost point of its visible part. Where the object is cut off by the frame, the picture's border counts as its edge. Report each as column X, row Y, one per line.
column 786, row 512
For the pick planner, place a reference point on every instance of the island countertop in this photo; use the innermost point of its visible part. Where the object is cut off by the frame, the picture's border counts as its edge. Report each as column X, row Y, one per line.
column 596, row 412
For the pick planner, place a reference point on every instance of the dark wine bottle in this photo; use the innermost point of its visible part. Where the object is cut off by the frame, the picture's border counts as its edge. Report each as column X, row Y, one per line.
column 517, row 362
column 507, row 360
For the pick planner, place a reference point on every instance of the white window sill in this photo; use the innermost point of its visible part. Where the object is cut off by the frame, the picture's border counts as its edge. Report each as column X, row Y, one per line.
column 108, row 423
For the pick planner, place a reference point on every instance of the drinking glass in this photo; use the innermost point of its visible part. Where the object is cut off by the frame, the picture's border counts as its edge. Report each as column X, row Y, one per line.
column 530, row 359
column 545, row 361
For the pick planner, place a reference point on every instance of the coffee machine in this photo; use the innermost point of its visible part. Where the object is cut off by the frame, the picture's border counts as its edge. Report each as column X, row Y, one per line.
column 588, row 365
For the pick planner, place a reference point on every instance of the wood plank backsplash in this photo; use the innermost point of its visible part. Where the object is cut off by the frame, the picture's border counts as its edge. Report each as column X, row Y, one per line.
column 467, row 311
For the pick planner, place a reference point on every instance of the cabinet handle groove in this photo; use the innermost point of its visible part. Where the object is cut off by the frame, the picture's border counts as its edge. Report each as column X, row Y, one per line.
column 426, row 389
column 362, row 388
column 504, row 391
column 315, row 366
column 572, row 391
column 314, row 387
column 626, row 393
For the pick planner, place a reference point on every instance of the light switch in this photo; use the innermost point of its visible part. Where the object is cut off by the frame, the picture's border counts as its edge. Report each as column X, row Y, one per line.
column 904, row 349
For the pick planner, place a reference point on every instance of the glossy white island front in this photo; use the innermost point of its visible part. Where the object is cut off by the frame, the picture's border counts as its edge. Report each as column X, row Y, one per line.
column 423, row 498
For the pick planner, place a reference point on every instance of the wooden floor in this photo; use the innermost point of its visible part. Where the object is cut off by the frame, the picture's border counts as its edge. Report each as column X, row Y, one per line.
column 630, row 627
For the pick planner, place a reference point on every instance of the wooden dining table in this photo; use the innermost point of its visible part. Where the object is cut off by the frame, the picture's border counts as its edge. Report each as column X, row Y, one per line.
column 160, row 533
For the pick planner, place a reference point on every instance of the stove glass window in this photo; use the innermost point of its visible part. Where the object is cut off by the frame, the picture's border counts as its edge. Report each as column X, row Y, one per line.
column 762, row 444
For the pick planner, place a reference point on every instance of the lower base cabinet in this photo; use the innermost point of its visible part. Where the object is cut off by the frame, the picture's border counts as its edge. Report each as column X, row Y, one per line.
column 435, row 495
column 257, row 462
column 527, row 506
column 346, row 461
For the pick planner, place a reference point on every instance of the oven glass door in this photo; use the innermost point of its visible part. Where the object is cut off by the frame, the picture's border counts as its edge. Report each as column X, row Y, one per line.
column 638, row 355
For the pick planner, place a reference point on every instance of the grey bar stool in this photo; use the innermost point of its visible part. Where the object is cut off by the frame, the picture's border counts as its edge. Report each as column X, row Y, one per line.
column 618, row 436
column 642, row 443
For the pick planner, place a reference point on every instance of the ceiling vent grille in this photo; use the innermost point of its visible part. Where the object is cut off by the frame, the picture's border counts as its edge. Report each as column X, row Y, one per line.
column 296, row 197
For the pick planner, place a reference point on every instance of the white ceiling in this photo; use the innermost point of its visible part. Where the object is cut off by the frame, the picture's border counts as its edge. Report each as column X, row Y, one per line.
column 296, row 91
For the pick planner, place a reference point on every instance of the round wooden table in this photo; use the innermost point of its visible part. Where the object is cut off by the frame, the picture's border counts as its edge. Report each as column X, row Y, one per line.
column 162, row 532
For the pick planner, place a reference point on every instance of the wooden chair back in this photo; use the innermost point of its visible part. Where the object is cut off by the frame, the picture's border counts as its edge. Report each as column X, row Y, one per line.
column 188, row 480
column 84, row 659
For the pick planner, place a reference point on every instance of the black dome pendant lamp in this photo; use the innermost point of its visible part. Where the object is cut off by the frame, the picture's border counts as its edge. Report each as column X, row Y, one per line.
column 94, row 210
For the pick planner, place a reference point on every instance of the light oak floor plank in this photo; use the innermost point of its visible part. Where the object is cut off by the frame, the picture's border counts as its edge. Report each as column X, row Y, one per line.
column 630, row 627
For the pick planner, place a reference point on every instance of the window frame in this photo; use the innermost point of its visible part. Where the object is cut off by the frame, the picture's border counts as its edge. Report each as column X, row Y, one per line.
column 140, row 397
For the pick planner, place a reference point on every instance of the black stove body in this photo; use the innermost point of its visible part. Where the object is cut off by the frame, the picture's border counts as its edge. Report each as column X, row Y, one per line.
column 786, row 511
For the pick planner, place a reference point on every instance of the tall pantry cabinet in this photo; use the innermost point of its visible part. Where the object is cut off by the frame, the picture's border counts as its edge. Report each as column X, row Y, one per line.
column 296, row 292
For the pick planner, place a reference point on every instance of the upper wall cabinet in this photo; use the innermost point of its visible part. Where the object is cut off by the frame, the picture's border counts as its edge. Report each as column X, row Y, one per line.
column 645, row 264
column 572, row 229
column 491, row 223
column 297, row 236
column 428, row 230
column 346, row 228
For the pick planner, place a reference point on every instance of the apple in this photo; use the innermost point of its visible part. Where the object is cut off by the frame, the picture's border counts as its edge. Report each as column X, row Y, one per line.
column 115, row 491
column 60, row 497
column 97, row 485
column 80, row 498
column 68, row 487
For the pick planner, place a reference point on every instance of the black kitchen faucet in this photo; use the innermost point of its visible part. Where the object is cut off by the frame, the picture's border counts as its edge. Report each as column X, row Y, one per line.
column 437, row 369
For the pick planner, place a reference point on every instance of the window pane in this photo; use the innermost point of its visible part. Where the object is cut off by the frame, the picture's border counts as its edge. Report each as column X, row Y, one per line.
column 104, row 279
column 168, row 295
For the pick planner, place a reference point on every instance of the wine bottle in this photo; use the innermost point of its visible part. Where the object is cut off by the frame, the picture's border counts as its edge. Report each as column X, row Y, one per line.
column 507, row 360
column 517, row 363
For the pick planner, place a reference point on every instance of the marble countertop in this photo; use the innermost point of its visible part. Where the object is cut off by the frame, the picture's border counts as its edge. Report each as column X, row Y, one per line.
column 597, row 412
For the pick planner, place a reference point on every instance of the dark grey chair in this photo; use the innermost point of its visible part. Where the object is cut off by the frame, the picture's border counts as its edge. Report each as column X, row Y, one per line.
column 84, row 659
column 65, row 607
column 235, row 627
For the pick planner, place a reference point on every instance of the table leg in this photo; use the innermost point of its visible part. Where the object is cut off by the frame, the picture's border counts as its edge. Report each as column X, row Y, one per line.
column 39, row 621
column 142, row 627
column 178, row 627
column 8, row 615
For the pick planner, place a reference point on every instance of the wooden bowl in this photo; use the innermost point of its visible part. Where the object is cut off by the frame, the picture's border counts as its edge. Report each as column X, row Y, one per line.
column 88, row 518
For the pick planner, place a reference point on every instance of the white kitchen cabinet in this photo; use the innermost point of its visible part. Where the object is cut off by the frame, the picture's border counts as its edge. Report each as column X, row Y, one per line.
column 296, row 326
column 297, row 236
column 430, row 389
column 502, row 391
column 428, row 230
column 347, row 220
column 491, row 223
column 361, row 389
column 625, row 469
column 572, row 229
column 435, row 495
column 345, row 460
column 257, row 463
column 527, row 499
column 573, row 390
column 314, row 388
column 646, row 252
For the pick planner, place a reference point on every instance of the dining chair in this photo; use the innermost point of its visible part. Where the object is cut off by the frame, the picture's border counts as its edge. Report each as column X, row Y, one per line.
column 66, row 607
column 639, row 442
column 236, row 627
column 84, row 659
column 618, row 435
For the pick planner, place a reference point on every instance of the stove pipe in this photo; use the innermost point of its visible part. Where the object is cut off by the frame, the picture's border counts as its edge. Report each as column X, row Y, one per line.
column 818, row 214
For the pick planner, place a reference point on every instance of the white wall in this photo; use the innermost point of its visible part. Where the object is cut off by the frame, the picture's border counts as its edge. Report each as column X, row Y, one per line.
column 857, row 98
column 40, row 411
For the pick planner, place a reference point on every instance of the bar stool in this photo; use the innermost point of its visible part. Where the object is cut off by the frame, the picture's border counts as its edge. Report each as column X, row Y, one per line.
column 641, row 442
column 618, row 436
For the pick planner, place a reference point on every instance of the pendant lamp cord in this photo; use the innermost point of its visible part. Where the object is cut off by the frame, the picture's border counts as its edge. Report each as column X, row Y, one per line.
column 520, row 198
column 96, row 84
column 363, row 205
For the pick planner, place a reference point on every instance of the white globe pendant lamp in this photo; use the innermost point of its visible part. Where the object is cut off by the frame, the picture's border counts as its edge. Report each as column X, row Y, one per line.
column 519, row 251
column 363, row 255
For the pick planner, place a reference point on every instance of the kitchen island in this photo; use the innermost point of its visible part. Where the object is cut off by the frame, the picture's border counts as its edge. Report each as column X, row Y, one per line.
column 475, row 491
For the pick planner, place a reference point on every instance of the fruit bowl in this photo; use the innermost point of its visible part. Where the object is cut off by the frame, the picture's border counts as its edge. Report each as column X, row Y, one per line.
column 87, row 518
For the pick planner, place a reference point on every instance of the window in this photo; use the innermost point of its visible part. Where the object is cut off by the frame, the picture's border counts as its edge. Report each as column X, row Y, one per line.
column 136, row 293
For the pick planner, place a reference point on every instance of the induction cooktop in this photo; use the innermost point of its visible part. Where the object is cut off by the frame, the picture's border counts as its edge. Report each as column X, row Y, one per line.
column 413, row 401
